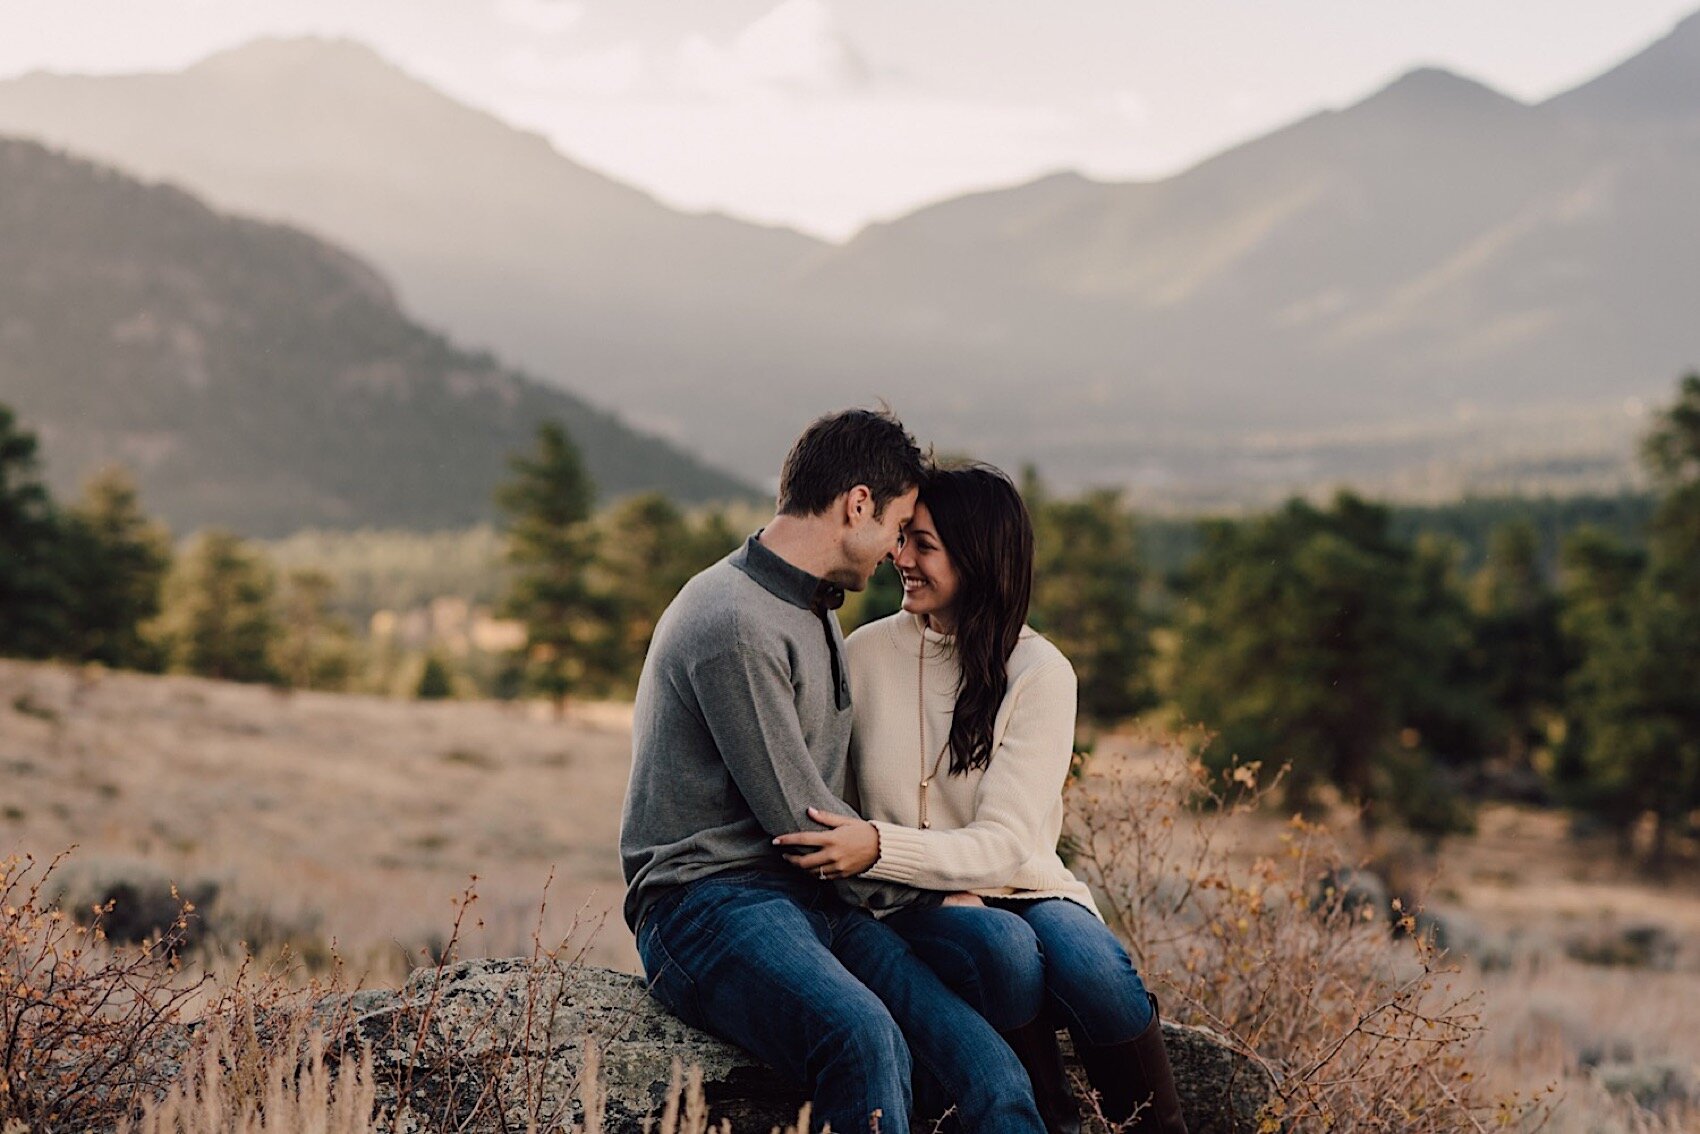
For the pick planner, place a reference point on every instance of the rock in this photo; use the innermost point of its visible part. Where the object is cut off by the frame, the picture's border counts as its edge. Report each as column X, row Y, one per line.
column 494, row 1045
column 145, row 901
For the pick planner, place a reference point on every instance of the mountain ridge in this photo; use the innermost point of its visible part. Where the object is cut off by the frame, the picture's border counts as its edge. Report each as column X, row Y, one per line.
column 256, row 377
column 1434, row 251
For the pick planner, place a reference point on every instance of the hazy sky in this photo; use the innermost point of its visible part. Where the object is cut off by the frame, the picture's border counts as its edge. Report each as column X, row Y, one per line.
column 825, row 114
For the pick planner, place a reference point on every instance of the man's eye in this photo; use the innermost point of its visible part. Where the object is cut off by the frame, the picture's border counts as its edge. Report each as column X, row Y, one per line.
column 902, row 540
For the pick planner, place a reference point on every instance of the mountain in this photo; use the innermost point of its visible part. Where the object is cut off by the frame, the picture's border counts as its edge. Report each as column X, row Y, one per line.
column 1658, row 85
column 256, row 377
column 1435, row 288
column 487, row 231
column 1436, row 257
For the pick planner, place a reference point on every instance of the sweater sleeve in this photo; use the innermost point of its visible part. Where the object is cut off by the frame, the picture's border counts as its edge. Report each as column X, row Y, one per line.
column 745, row 693
column 1011, row 803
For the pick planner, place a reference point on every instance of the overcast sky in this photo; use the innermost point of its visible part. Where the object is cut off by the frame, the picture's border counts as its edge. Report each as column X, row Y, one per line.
column 825, row 114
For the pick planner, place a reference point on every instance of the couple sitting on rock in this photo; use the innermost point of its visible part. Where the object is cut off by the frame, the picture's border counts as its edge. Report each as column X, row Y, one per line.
column 869, row 898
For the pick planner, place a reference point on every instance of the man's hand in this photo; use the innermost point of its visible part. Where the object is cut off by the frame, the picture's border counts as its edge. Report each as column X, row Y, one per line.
column 963, row 899
column 846, row 848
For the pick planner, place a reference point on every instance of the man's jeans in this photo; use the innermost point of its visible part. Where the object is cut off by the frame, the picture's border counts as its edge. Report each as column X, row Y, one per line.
column 824, row 993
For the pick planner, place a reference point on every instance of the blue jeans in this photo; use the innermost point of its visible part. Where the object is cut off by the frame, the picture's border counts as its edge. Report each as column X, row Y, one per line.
column 989, row 957
column 1015, row 958
column 827, row 995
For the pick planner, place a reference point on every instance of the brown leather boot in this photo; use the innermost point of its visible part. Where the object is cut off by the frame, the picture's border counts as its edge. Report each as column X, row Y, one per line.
column 1036, row 1046
column 1135, row 1076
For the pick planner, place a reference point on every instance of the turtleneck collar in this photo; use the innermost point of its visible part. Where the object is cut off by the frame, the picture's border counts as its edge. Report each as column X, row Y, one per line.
column 786, row 580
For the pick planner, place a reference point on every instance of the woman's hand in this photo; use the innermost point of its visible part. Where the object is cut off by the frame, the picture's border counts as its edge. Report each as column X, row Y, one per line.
column 846, row 848
column 963, row 899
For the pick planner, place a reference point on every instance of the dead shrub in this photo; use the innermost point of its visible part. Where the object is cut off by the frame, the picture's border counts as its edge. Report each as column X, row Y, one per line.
column 88, row 1029
column 1362, row 1031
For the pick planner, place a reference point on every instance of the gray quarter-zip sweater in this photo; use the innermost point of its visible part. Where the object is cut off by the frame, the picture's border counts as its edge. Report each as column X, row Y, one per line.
column 742, row 723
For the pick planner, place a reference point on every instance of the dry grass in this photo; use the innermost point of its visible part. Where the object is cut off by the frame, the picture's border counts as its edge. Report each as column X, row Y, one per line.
column 1522, row 1034
column 323, row 817
column 358, row 820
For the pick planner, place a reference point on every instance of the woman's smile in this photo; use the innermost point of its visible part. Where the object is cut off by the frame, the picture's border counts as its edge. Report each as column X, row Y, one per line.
column 930, row 580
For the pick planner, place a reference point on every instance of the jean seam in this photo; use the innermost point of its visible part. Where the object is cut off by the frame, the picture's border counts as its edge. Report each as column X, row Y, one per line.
column 695, row 1005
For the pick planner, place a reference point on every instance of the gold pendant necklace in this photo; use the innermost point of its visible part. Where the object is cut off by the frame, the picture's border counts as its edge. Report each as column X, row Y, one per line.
column 921, row 729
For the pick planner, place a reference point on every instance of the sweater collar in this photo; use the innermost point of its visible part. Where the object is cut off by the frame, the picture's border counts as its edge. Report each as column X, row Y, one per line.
column 786, row 580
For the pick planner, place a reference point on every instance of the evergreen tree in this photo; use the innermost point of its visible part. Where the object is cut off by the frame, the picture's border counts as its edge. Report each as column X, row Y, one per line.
column 647, row 549
column 116, row 562
column 33, row 595
column 1087, row 588
column 434, row 681
column 551, row 546
column 1633, row 721
column 315, row 648
column 1314, row 639
column 218, row 616
column 883, row 596
column 1520, row 654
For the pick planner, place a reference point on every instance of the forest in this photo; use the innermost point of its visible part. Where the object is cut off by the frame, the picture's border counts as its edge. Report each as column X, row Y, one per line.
column 1410, row 661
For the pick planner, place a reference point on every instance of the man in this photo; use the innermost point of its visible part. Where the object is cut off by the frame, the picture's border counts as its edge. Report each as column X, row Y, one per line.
column 742, row 724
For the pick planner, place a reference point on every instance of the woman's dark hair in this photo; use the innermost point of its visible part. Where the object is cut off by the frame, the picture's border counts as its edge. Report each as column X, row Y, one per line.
column 985, row 529
column 841, row 450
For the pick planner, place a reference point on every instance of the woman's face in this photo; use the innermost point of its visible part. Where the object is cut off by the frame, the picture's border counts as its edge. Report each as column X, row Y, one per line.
column 930, row 582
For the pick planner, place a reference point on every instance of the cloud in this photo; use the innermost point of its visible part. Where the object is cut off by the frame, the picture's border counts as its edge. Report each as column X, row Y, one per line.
column 796, row 48
column 614, row 72
column 1131, row 107
column 544, row 17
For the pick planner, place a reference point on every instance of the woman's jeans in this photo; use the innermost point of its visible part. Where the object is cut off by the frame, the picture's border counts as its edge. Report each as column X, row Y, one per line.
column 1015, row 958
column 824, row 993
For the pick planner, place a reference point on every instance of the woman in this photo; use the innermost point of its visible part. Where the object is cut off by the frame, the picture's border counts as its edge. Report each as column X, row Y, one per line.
column 964, row 732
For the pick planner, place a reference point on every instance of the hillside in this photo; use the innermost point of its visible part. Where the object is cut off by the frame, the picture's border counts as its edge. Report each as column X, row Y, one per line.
column 255, row 377
column 486, row 230
column 1437, row 256
column 1433, row 290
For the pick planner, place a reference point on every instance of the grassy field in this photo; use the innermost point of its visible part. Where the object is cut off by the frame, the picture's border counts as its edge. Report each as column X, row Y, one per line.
column 323, row 816
column 334, row 818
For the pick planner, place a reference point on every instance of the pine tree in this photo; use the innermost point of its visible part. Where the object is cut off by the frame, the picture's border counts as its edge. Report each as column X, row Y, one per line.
column 33, row 596
column 315, row 648
column 116, row 562
column 1633, row 719
column 1087, row 585
column 551, row 546
column 1313, row 639
column 1520, row 654
column 646, row 550
column 218, row 616
column 434, row 681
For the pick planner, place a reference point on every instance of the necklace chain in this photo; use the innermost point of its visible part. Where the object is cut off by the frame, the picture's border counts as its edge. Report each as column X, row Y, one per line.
column 921, row 721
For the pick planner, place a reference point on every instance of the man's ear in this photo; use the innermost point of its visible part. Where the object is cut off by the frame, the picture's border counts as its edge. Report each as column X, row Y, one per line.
column 858, row 505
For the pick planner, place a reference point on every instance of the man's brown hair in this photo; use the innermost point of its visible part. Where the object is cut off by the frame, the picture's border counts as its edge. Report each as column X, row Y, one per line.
column 841, row 450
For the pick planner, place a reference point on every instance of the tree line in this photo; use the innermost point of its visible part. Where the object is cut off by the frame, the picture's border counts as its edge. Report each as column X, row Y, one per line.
column 1370, row 658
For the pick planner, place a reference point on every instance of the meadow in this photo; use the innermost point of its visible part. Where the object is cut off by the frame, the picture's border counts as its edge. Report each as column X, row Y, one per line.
column 352, row 823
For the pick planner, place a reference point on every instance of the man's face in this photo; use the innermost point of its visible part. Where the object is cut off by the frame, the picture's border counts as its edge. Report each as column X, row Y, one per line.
column 870, row 541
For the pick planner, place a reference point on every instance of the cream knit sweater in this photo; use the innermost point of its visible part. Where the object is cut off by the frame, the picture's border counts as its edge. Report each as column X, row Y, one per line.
column 994, row 830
